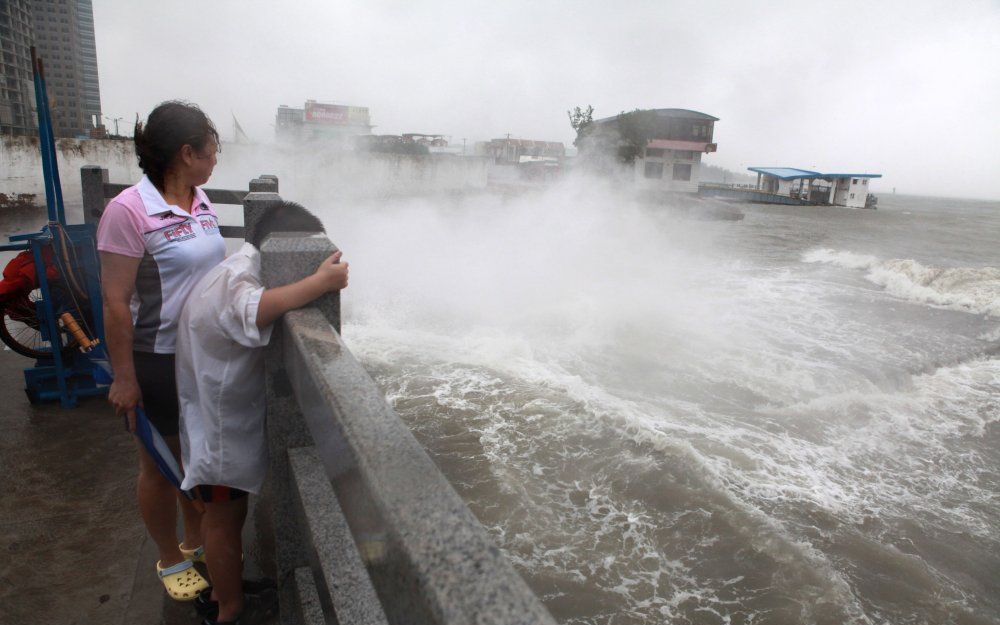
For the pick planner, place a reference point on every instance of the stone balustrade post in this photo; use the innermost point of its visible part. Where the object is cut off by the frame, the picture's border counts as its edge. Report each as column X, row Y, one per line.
column 255, row 204
column 265, row 183
column 92, row 181
column 287, row 257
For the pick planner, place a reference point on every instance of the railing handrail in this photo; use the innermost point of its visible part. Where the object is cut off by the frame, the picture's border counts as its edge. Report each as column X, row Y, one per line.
column 215, row 196
column 97, row 191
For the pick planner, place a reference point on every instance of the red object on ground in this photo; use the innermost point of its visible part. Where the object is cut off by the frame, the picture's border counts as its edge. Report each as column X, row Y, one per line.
column 19, row 277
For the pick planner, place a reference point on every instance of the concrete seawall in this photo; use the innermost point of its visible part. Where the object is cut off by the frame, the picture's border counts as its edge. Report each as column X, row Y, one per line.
column 314, row 172
column 21, row 166
column 308, row 172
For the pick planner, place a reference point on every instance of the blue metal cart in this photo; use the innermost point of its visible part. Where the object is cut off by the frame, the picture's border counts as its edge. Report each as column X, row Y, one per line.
column 67, row 310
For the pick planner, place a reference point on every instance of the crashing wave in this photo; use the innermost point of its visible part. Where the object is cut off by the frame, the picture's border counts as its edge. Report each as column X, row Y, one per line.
column 969, row 289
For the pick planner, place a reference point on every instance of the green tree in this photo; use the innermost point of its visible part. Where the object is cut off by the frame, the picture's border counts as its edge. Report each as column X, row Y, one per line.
column 582, row 121
column 636, row 128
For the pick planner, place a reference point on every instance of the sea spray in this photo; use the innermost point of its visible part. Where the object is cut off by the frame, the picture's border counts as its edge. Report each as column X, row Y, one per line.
column 656, row 422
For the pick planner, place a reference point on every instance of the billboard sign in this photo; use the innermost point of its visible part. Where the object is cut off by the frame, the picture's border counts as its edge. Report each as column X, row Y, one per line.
column 317, row 113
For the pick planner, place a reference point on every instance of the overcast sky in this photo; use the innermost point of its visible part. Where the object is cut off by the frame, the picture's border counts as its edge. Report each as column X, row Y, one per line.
column 910, row 90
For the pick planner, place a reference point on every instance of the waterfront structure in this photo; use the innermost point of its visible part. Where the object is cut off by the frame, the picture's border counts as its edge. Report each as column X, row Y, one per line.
column 64, row 38
column 17, row 91
column 388, row 144
column 435, row 144
column 288, row 122
column 320, row 121
column 509, row 151
column 834, row 189
column 431, row 141
column 673, row 142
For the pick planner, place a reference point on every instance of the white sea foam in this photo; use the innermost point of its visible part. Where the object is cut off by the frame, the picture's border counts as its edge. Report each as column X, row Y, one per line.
column 968, row 289
column 512, row 449
column 848, row 260
column 889, row 455
column 897, row 454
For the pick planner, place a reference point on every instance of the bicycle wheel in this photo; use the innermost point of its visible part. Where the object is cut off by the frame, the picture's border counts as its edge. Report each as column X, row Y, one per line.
column 20, row 328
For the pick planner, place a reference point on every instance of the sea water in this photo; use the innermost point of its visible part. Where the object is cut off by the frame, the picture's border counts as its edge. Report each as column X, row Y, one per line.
column 792, row 418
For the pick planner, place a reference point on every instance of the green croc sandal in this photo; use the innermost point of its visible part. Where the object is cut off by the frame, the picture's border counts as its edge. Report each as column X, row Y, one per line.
column 182, row 581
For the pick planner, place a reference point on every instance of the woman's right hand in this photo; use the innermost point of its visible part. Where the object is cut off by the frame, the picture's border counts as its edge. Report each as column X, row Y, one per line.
column 125, row 395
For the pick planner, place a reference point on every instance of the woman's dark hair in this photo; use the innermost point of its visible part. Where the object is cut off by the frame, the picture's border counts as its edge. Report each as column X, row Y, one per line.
column 170, row 126
column 285, row 217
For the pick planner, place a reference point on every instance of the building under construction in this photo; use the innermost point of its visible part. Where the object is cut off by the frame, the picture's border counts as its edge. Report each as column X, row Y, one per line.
column 62, row 32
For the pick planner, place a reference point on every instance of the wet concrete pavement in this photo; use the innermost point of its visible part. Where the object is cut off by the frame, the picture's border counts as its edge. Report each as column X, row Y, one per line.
column 73, row 549
column 72, row 546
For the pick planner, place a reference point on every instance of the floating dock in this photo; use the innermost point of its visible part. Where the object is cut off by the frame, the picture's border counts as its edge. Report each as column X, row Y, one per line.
column 747, row 194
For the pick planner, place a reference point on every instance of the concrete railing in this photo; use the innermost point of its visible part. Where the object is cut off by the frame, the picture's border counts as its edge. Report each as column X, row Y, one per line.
column 356, row 522
column 377, row 535
column 97, row 191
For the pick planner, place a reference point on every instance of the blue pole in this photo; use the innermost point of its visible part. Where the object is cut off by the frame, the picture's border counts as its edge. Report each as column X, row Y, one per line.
column 50, row 166
column 43, row 131
column 56, row 184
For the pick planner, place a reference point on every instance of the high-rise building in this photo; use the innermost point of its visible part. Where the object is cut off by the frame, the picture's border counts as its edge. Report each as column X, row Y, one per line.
column 88, row 61
column 64, row 38
column 17, row 92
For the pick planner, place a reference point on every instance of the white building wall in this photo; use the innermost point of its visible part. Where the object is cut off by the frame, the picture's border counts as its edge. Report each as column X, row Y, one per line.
column 841, row 189
column 667, row 182
column 21, row 168
column 770, row 184
column 860, row 191
column 851, row 192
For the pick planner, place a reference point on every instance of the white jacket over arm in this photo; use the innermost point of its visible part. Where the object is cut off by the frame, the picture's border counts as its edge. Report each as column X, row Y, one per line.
column 220, row 377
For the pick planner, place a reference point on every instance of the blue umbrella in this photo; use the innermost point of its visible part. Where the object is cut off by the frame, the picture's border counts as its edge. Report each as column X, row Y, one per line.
column 147, row 433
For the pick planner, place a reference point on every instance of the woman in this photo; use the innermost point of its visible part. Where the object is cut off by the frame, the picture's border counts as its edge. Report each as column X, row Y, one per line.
column 156, row 240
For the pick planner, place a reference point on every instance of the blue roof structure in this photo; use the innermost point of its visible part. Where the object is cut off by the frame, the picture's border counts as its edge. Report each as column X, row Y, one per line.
column 791, row 173
column 786, row 173
column 852, row 175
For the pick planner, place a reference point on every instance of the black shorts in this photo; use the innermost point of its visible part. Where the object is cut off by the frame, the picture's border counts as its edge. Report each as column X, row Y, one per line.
column 218, row 494
column 158, row 384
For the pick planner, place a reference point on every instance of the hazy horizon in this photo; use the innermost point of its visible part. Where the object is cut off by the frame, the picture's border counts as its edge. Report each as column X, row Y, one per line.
column 845, row 88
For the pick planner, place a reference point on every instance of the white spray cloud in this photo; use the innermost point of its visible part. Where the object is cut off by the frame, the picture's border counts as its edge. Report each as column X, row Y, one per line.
column 828, row 86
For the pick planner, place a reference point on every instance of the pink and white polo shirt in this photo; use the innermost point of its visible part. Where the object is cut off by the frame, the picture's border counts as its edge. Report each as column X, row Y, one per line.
column 176, row 249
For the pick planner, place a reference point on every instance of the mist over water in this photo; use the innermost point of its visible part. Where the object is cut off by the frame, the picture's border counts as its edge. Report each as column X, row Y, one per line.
column 788, row 419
